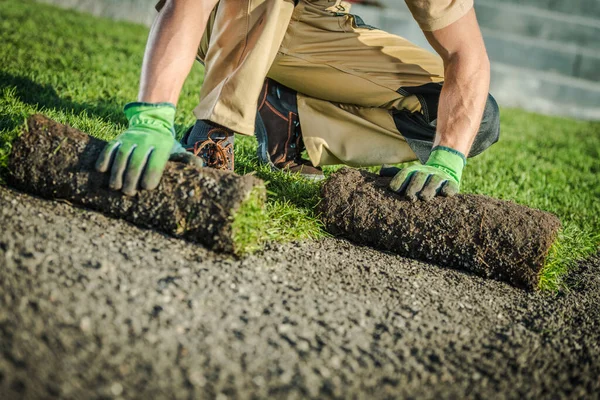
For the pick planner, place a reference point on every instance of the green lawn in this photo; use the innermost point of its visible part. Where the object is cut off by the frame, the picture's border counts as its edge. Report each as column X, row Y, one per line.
column 81, row 70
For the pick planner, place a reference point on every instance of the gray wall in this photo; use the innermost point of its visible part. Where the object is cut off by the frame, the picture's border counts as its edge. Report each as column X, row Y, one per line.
column 545, row 53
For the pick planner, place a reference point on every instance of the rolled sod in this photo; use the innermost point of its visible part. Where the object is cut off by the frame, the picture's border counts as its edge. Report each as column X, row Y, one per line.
column 488, row 237
column 202, row 205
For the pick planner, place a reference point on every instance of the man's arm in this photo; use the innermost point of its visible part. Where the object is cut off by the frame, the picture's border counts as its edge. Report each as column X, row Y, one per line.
column 137, row 157
column 462, row 101
column 171, row 49
column 466, row 82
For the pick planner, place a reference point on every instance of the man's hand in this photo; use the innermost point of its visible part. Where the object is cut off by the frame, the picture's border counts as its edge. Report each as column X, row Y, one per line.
column 137, row 157
column 439, row 176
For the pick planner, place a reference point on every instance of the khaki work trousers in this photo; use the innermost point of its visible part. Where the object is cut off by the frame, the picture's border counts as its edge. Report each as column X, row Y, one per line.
column 347, row 74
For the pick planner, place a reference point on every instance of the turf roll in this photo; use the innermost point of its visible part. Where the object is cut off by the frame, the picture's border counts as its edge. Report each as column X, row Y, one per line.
column 202, row 205
column 487, row 237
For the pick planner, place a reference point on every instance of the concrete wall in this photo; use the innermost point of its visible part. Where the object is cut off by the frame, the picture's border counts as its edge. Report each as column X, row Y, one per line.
column 545, row 53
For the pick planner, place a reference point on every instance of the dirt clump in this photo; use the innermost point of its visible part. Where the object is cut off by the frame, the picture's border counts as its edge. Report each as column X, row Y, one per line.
column 488, row 237
column 56, row 161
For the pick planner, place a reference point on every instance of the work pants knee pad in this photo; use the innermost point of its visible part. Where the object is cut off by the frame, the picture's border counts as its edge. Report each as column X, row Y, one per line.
column 489, row 130
column 419, row 128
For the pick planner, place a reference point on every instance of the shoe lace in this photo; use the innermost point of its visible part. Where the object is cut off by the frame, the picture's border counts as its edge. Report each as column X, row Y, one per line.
column 215, row 150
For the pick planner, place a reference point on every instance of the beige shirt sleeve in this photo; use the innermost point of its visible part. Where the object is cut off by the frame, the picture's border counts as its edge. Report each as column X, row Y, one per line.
column 432, row 15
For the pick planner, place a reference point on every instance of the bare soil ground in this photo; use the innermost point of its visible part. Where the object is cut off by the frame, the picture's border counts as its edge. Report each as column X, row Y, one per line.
column 93, row 307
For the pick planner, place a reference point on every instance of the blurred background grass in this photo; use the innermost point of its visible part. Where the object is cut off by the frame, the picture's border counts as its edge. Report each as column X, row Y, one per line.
column 81, row 70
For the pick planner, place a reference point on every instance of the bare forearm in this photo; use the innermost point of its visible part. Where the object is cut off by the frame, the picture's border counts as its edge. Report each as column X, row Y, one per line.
column 466, row 82
column 172, row 46
column 462, row 101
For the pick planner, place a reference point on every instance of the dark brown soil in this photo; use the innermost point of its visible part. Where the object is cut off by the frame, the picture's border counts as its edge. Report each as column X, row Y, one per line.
column 485, row 236
column 56, row 161
column 95, row 308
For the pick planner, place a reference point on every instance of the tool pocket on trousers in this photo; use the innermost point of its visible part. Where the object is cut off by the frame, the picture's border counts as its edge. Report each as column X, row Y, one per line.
column 339, row 8
column 429, row 97
column 419, row 128
column 358, row 22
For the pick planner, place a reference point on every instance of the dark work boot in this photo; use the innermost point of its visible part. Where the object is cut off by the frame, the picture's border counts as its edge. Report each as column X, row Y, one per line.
column 213, row 143
column 278, row 132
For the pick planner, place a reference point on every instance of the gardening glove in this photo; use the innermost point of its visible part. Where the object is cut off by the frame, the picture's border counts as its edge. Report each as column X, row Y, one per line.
column 439, row 175
column 138, row 156
column 180, row 154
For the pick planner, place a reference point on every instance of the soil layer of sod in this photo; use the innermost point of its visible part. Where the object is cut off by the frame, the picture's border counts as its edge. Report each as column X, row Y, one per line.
column 485, row 236
column 53, row 160
column 94, row 307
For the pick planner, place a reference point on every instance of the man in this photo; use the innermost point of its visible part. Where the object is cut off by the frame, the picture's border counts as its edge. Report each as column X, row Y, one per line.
column 348, row 92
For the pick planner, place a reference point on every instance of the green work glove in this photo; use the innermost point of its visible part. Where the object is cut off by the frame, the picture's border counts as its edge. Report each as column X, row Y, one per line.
column 439, row 175
column 137, row 157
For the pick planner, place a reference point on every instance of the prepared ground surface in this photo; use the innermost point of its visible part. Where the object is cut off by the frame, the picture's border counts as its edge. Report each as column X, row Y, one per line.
column 479, row 234
column 93, row 307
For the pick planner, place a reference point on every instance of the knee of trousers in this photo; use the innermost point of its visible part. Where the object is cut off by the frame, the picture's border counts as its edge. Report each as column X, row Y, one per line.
column 419, row 129
column 489, row 130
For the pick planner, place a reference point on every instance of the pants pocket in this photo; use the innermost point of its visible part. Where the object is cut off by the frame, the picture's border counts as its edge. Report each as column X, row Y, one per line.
column 342, row 9
column 358, row 22
column 339, row 8
column 419, row 128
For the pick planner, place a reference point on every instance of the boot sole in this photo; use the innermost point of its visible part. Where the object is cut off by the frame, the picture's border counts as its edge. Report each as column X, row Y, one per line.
column 263, row 153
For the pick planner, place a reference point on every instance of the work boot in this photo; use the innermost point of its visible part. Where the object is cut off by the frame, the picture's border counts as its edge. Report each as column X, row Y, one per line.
column 212, row 143
column 278, row 132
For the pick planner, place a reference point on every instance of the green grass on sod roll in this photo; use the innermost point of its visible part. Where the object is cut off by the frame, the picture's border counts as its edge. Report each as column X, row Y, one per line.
column 81, row 70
